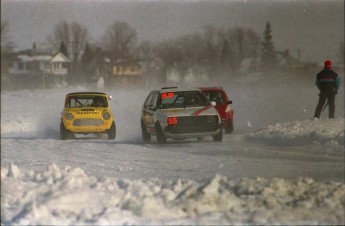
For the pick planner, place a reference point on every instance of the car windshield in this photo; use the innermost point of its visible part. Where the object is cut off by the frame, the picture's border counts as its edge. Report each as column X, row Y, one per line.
column 79, row 101
column 182, row 99
column 216, row 96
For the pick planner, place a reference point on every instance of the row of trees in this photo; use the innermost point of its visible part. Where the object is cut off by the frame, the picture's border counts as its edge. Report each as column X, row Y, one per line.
column 214, row 49
column 6, row 46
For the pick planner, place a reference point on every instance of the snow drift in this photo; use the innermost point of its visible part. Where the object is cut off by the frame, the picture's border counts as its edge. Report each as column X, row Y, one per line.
column 65, row 196
column 325, row 132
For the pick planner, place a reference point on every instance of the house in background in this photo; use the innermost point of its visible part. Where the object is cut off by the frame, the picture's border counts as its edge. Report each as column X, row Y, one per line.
column 114, row 73
column 126, row 73
column 39, row 68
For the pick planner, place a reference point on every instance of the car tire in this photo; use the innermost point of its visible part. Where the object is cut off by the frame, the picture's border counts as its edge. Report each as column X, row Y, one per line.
column 219, row 136
column 63, row 132
column 146, row 136
column 112, row 132
column 229, row 127
column 161, row 139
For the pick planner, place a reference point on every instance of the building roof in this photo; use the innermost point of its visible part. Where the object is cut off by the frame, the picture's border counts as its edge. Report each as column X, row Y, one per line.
column 58, row 57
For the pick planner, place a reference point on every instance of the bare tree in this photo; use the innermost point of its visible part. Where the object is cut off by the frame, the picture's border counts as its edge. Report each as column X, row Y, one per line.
column 146, row 51
column 6, row 47
column 4, row 31
column 60, row 34
column 79, row 36
column 253, row 42
column 194, row 48
column 120, row 39
column 74, row 35
column 237, row 40
column 243, row 43
column 169, row 52
column 210, row 34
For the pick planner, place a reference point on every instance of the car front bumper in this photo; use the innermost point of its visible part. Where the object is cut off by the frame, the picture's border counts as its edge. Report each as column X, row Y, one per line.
column 87, row 126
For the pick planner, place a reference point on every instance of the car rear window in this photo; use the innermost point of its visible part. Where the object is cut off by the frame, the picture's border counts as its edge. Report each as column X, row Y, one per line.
column 182, row 99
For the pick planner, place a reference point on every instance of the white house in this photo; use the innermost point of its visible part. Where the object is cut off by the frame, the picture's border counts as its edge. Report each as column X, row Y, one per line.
column 44, row 63
column 38, row 68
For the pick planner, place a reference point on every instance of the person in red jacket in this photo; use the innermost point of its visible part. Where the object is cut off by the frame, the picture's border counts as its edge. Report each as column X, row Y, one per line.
column 328, row 83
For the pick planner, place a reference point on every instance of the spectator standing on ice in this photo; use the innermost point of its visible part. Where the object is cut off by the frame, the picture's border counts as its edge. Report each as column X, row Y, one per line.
column 328, row 83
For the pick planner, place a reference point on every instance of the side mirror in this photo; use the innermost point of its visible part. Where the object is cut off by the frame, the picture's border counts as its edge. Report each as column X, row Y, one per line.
column 110, row 97
column 230, row 102
column 213, row 103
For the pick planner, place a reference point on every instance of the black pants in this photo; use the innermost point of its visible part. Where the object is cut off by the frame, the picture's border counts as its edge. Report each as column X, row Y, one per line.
column 330, row 96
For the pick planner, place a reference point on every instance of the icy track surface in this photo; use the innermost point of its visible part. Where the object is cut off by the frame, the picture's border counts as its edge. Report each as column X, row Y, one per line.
column 279, row 167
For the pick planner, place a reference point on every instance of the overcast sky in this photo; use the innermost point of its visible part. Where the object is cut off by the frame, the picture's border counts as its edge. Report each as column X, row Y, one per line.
column 316, row 27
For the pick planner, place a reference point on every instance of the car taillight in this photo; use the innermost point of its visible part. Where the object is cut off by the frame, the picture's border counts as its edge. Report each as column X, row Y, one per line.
column 172, row 121
column 69, row 116
column 106, row 115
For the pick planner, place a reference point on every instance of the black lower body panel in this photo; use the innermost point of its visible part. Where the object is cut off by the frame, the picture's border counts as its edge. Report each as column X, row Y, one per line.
column 195, row 124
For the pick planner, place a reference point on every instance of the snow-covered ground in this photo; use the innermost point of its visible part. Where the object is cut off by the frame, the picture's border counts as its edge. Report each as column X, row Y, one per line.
column 279, row 167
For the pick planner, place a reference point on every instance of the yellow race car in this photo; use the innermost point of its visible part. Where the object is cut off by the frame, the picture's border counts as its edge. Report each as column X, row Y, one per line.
column 87, row 113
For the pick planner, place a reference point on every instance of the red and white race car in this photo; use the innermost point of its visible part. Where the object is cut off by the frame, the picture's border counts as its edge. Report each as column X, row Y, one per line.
column 179, row 114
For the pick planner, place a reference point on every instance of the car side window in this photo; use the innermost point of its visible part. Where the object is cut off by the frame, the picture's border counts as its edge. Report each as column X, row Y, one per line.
column 67, row 102
column 220, row 98
column 203, row 99
column 216, row 96
column 154, row 99
column 74, row 103
column 148, row 101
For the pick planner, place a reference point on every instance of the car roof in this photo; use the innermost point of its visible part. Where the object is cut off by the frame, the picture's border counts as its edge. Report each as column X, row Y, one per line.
column 215, row 88
column 87, row 93
column 176, row 89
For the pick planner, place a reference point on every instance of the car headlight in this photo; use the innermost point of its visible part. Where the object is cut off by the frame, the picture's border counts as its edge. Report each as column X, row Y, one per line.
column 106, row 115
column 69, row 116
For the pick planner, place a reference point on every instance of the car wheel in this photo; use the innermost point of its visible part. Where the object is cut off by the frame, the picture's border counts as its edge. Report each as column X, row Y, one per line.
column 229, row 127
column 146, row 136
column 161, row 139
column 63, row 132
column 112, row 132
column 219, row 136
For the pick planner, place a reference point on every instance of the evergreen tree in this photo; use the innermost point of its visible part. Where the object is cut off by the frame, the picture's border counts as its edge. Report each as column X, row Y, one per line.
column 87, row 55
column 63, row 49
column 268, row 58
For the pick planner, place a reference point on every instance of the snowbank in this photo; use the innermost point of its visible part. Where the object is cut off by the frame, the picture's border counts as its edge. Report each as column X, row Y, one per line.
column 66, row 195
column 326, row 132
